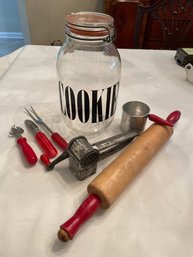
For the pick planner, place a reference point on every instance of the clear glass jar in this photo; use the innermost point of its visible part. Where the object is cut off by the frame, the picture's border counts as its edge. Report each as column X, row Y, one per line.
column 88, row 67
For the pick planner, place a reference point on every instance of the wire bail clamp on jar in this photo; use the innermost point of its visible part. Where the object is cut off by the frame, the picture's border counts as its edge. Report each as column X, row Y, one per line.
column 92, row 30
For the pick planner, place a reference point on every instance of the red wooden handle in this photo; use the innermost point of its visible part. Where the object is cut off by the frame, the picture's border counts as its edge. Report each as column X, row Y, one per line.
column 172, row 118
column 83, row 213
column 92, row 203
column 60, row 140
column 27, row 151
column 46, row 145
column 159, row 120
column 45, row 159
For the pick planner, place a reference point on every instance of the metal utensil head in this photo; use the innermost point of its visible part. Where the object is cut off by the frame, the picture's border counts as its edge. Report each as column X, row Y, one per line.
column 83, row 157
column 32, row 126
column 16, row 131
column 38, row 120
column 33, row 114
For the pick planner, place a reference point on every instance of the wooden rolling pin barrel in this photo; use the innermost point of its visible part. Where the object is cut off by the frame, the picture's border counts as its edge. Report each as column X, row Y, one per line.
column 109, row 184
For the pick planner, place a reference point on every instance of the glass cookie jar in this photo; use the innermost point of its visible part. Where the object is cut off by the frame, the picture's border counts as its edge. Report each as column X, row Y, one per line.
column 88, row 68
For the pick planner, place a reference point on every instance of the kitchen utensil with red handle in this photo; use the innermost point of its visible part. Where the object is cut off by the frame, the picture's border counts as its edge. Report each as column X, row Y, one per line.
column 57, row 138
column 109, row 184
column 42, row 139
column 172, row 118
column 27, row 151
column 45, row 144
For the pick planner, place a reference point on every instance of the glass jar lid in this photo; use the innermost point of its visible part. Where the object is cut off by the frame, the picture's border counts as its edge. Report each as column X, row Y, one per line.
column 90, row 26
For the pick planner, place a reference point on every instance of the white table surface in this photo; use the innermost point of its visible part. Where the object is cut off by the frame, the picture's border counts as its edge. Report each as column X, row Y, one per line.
column 7, row 60
column 152, row 218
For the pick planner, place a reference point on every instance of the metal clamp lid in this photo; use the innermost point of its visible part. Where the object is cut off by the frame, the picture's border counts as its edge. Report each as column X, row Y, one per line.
column 90, row 26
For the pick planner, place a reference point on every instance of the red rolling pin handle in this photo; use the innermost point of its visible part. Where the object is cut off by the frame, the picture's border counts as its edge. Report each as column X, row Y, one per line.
column 92, row 203
column 83, row 213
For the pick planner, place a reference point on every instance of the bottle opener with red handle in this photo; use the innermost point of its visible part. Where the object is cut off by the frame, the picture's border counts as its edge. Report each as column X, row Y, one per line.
column 28, row 152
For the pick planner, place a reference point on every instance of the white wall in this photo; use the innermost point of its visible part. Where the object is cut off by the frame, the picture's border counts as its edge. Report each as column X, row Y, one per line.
column 46, row 17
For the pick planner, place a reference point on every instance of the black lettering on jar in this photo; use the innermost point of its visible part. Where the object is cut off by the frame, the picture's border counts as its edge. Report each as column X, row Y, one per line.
column 70, row 103
column 114, row 98
column 97, row 113
column 83, row 106
column 94, row 106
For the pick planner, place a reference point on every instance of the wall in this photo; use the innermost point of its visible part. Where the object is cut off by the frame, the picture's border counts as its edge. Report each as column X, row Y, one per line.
column 46, row 17
column 9, row 17
column 24, row 20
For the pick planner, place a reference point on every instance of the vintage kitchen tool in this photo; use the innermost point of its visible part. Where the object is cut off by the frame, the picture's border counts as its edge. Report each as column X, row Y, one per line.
column 57, row 138
column 42, row 139
column 80, row 149
column 83, row 156
column 109, row 184
column 22, row 142
column 135, row 114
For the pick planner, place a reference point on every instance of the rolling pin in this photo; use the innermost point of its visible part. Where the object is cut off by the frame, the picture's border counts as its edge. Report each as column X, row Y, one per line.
column 111, row 182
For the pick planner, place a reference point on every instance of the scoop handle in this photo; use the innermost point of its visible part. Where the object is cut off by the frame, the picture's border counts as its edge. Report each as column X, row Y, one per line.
column 159, row 120
column 173, row 117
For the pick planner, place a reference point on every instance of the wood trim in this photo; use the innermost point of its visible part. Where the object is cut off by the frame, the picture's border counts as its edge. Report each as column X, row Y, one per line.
column 125, row 30
column 109, row 3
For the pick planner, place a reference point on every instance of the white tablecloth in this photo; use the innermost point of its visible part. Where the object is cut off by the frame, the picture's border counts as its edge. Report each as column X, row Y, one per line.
column 7, row 60
column 153, row 216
